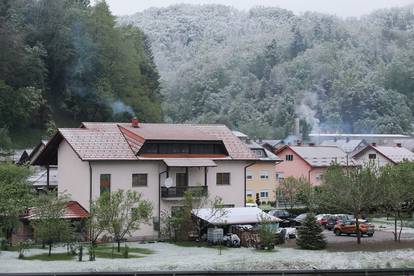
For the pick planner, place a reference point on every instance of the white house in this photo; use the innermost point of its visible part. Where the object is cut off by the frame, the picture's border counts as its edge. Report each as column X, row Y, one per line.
column 160, row 161
column 383, row 155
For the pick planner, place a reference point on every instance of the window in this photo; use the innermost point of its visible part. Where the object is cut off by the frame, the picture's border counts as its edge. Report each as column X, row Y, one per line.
column 223, row 178
column 259, row 153
column 280, row 176
column 139, row 180
column 181, row 180
column 264, row 194
column 264, row 174
column 319, row 176
column 105, row 183
column 372, row 156
column 249, row 194
column 249, row 175
column 289, row 157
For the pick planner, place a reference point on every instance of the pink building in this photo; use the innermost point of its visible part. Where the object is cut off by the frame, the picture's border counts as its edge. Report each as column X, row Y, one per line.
column 309, row 162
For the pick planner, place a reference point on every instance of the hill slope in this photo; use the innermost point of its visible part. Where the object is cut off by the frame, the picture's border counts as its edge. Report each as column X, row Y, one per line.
column 257, row 70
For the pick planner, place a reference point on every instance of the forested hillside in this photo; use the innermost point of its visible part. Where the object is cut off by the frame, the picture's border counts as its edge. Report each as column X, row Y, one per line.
column 257, row 70
column 66, row 61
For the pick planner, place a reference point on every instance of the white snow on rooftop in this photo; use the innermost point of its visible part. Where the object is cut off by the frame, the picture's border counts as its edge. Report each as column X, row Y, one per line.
column 238, row 215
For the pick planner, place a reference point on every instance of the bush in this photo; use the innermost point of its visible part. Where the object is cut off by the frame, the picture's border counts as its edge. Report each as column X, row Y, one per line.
column 310, row 235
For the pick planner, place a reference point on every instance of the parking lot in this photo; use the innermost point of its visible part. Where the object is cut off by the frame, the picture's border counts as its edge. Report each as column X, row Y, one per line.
column 382, row 240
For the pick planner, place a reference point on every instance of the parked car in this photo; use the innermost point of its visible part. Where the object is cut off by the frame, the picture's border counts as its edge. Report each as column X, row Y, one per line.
column 282, row 214
column 349, row 227
column 322, row 219
column 332, row 220
column 299, row 219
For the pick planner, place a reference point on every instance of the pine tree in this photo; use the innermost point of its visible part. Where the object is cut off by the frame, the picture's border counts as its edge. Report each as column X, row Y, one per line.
column 310, row 235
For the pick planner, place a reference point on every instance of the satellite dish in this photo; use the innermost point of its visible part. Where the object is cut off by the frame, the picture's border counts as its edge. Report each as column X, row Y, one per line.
column 168, row 182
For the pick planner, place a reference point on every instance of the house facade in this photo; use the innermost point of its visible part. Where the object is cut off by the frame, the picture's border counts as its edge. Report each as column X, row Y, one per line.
column 383, row 155
column 160, row 161
column 309, row 162
column 261, row 176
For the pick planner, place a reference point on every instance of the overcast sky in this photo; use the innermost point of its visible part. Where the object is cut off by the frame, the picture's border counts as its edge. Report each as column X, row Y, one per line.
column 339, row 7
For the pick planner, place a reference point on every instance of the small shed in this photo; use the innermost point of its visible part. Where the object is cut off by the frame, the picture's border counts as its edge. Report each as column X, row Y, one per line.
column 233, row 216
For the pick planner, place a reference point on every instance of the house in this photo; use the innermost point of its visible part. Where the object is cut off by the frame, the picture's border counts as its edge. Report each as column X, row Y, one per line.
column 160, row 161
column 383, row 155
column 261, row 176
column 348, row 145
column 309, row 161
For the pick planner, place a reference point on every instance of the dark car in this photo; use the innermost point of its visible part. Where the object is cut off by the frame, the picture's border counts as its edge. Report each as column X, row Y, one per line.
column 299, row 219
column 282, row 214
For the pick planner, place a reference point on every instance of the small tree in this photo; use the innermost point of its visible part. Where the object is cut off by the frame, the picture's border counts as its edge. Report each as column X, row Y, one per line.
column 310, row 234
column 397, row 190
column 15, row 197
column 47, row 220
column 295, row 191
column 126, row 212
column 182, row 221
column 267, row 233
column 351, row 190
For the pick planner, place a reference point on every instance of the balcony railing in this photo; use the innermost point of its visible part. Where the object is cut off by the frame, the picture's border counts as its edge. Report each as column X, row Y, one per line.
column 179, row 191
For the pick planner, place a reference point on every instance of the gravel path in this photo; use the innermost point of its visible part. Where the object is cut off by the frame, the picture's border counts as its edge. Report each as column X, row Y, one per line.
column 172, row 257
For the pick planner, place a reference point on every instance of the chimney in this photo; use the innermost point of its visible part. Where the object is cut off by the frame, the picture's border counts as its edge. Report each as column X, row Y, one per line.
column 135, row 122
column 297, row 127
column 398, row 145
column 299, row 143
column 374, row 144
column 311, row 144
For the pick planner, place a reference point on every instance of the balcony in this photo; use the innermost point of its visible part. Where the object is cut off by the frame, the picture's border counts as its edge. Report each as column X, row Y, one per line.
column 175, row 192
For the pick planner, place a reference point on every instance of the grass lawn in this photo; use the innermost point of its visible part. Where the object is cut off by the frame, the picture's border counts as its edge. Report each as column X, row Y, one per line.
column 198, row 244
column 105, row 251
column 54, row 257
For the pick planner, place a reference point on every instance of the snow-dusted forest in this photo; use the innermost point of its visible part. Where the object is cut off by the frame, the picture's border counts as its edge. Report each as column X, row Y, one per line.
column 257, row 70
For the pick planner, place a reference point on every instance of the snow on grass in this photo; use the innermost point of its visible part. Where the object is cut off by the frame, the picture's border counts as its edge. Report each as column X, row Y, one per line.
column 166, row 256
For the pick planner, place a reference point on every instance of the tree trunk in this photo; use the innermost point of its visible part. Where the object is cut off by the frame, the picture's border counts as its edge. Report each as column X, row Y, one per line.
column 395, row 226
column 9, row 237
column 119, row 245
column 401, row 226
column 358, row 231
column 50, row 249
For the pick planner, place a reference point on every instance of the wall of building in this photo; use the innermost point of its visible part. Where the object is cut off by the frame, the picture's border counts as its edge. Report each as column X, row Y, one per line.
column 73, row 175
column 296, row 168
column 379, row 160
column 256, row 184
column 74, row 180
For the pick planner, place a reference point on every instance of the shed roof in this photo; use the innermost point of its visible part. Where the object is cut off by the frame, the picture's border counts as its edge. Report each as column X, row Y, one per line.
column 231, row 216
column 73, row 210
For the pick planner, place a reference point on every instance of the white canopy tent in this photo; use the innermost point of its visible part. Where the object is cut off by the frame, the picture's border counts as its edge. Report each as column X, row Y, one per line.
column 233, row 216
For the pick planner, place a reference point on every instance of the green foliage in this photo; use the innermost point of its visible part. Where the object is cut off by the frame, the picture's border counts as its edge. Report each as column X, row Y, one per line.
column 310, row 234
column 47, row 222
column 267, row 233
column 350, row 190
column 120, row 213
column 67, row 61
column 256, row 70
column 15, row 197
column 46, row 257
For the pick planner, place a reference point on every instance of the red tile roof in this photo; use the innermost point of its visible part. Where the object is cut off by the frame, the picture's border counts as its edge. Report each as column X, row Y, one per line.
column 73, row 210
column 120, row 141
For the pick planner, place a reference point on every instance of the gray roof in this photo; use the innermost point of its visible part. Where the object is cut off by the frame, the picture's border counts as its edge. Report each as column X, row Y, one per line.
column 271, row 143
column 322, row 156
column 346, row 145
column 395, row 154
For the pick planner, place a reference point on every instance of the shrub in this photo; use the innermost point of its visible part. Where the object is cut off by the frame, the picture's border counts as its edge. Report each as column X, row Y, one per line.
column 310, row 235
